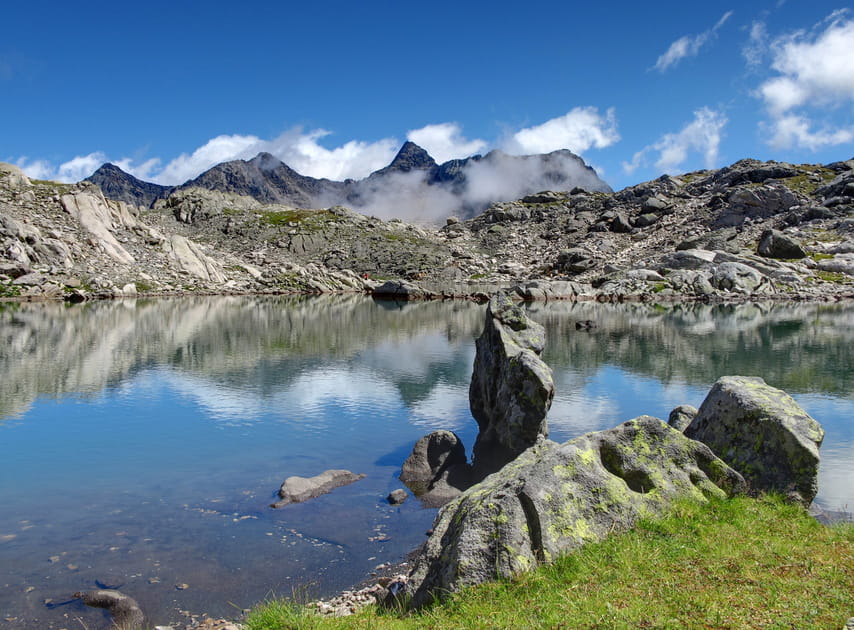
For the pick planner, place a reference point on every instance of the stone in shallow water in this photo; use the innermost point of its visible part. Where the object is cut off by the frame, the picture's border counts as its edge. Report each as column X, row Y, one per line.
column 299, row 489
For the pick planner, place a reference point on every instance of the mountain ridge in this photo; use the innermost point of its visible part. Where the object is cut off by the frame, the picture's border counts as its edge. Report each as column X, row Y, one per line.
column 270, row 180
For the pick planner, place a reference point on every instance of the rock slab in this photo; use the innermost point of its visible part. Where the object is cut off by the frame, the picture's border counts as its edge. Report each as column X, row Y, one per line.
column 299, row 489
column 511, row 389
column 762, row 433
column 554, row 498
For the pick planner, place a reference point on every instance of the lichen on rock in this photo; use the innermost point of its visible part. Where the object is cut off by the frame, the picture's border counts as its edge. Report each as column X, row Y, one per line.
column 555, row 497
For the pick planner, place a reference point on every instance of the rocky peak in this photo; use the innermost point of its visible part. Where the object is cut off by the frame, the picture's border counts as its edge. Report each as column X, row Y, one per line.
column 411, row 157
column 120, row 186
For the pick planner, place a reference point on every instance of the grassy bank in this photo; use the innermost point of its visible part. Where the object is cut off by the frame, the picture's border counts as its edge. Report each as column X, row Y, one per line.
column 741, row 563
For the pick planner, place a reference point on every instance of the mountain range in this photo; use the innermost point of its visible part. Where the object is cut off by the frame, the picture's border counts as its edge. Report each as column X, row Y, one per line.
column 462, row 186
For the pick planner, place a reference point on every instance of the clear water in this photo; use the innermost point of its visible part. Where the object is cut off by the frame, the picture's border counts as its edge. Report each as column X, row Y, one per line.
column 142, row 441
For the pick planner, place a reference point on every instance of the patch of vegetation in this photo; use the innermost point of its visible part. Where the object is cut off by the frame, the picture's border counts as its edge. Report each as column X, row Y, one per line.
column 143, row 287
column 658, row 287
column 806, row 182
column 834, row 277
column 738, row 563
column 9, row 290
column 303, row 218
column 230, row 212
column 478, row 276
column 816, row 256
column 59, row 186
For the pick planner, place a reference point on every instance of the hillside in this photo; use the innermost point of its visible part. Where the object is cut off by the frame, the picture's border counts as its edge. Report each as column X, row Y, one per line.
column 750, row 230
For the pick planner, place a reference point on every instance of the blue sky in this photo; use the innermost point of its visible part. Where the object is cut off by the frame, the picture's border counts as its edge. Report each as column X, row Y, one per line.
column 167, row 89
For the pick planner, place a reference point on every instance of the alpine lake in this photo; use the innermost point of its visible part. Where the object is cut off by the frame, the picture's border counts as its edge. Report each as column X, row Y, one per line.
column 142, row 441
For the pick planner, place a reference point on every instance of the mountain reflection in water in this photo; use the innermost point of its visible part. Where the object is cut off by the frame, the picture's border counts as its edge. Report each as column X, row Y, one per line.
column 141, row 441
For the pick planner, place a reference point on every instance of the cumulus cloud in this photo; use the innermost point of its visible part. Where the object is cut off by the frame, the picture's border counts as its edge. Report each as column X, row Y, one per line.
column 702, row 135
column 73, row 170
column 298, row 149
column 688, row 45
column 814, row 77
column 445, row 141
column 578, row 130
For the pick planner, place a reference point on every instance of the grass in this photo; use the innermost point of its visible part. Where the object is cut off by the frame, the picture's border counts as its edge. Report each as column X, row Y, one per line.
column 834, row 277
column 304, row 218
column 740, row 563
column 9, row 290
column 806, row 183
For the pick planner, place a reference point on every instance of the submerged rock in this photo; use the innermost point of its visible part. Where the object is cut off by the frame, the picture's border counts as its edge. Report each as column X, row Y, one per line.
column 299, row 489
column 511, row 389
column 127, row 614
column 556, row 497
column 763, row 433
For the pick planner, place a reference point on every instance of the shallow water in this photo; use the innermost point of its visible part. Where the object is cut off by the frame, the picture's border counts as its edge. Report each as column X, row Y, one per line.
column 141, row 441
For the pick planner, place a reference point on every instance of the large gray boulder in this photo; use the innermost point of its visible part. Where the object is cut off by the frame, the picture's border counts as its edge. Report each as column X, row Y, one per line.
column 762, row 433
column 554, row 498
column 511, row 389
column 775, row 244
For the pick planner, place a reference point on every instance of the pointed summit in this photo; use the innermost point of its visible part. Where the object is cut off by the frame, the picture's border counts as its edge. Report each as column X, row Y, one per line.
column 121, row 186
column 411, row 157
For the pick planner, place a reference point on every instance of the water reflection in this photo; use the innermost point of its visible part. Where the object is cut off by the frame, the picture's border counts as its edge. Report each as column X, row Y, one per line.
column 172, row 422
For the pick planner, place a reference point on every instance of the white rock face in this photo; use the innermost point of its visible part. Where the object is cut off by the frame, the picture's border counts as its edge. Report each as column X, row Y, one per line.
column 98, row 217
column 192, row 259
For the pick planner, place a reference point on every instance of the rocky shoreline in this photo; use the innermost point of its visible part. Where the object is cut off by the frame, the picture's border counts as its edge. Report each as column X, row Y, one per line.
column 753, row 230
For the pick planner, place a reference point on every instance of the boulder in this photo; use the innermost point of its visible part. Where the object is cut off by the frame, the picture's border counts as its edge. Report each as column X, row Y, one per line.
column 736, row 277
column 400, row 290
column 13, row 176
column 681, row 417
column 432, row 457
column 126, row 613
column 554, row 498
column 775, row 244
column 511, row 388
column 299, row 489
column 762, row 433
column 398, row 496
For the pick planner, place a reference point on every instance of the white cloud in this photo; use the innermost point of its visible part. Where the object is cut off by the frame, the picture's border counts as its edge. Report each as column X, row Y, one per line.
column 793, row 130
column 815, row 76
column 578, row 130
column 219, row 149
column 299, row 150
column 688, row 45
column 702, row 135
column 354, row 159
column 757, row 45
column 73, row 170
column 445, row 141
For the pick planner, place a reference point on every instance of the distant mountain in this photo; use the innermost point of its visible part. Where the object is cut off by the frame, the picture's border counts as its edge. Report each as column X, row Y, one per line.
column 121, row 186
column 463, row 186
column 267, row 179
